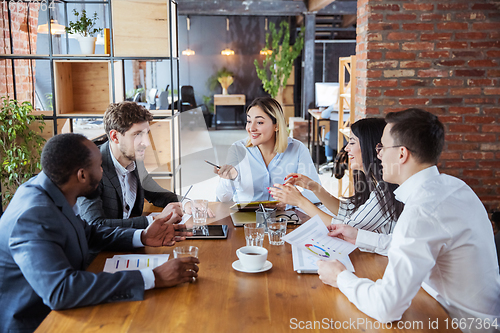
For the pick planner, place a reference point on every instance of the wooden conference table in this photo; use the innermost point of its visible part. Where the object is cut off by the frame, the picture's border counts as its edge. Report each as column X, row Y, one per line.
column 225, row 300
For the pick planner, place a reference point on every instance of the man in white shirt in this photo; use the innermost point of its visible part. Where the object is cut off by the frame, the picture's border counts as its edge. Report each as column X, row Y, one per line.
column 443, row 240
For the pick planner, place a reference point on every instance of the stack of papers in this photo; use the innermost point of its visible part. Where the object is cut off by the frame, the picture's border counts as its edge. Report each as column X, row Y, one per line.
column 134, row 262
column 310, row 243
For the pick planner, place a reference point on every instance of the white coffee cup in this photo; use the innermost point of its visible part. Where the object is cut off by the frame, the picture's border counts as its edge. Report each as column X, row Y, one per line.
column 252, row 257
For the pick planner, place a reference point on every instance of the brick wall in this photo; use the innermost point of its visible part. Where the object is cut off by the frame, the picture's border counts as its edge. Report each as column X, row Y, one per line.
column 23, row 68
column 444, row 57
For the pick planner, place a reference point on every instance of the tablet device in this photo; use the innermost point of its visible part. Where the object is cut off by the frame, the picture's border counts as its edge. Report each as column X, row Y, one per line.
column 209, row 232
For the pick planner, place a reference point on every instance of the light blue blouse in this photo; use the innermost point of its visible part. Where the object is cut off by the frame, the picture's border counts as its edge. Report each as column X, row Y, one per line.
column 254, row 177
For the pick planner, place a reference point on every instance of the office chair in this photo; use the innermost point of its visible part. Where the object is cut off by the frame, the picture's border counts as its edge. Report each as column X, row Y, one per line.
column 187, row 98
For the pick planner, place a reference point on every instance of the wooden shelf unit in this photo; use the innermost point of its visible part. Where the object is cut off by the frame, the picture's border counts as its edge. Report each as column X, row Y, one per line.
column 346, row 64
column 147, row 36
column 288, row 103
column 85, row 87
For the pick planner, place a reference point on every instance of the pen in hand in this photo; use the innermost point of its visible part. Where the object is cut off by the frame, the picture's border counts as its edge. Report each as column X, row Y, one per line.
column 215, row 165
column 185, row 195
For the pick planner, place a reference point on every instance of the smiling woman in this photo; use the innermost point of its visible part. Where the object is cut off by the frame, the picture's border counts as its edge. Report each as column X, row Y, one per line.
column 264, row 158
column 373, row 206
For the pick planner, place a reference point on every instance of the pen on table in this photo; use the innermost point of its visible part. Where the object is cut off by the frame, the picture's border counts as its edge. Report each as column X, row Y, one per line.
column 185, row 195
column 215, row 165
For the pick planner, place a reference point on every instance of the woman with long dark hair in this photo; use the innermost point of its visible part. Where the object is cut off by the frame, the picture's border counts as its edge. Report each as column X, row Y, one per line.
column 373, row 206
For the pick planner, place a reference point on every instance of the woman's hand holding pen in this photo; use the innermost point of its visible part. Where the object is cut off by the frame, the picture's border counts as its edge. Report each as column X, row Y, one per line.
column 287, row 193
column 226, row 171
column 305, row 182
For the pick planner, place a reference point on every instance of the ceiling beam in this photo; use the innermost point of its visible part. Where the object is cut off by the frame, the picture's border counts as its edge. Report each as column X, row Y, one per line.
column 315, row 5
column 233, row 7
column 262, row 8
column 348, row 20
column 340, row 8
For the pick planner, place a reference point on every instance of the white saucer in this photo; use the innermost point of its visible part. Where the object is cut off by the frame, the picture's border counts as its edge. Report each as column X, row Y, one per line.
column 239, row 267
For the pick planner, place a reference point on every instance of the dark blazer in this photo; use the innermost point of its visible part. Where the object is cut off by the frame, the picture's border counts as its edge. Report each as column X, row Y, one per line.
column 43, row 251
column 107, row 209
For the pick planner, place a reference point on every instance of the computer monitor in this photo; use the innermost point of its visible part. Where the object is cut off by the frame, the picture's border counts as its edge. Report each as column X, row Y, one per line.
column 327, row 93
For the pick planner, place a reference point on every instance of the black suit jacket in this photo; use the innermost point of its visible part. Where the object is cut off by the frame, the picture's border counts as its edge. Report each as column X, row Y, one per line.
column 107, row 209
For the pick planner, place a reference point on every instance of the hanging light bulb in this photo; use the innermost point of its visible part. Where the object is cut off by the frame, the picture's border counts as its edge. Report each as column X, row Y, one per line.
column 265, row 51
column 227, row 51
column 188, row 52
column 55, row 28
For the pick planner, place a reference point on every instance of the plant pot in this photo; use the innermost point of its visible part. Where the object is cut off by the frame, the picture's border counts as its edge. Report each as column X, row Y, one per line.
column 208, row 119
column 87, row 44
column 225, row 82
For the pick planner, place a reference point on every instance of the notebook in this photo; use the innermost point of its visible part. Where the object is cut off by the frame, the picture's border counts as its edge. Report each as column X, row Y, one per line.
column 240, row 218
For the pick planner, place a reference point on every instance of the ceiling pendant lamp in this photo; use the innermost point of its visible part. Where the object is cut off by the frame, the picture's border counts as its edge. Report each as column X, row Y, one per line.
column 55, row 28
column 188, row 52
column 265, row 51
column 227, row 51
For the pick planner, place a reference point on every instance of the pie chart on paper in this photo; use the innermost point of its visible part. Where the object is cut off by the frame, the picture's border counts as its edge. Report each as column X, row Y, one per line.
column 317, row 250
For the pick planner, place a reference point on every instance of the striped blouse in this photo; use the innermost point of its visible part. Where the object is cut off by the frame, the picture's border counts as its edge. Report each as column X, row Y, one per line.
column 367, row 217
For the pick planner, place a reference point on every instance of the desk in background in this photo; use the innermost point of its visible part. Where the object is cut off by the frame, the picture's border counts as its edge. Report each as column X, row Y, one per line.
column 224, row 300
column 314, row 137
column 228, row 100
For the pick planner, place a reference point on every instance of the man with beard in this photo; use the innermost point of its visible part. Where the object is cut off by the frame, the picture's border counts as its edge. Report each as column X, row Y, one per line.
column 121, row 192
column 44, row 245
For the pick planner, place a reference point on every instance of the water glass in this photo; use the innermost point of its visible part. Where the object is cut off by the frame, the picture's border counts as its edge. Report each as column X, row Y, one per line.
column 185, row 251
column 199, row 211
column 262, row 217
column 276, row 229
column 254, row 234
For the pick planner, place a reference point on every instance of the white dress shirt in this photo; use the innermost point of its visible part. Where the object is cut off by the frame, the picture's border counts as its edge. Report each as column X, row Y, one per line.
column 128, row 185
column 147, row 273
column 443, row 241
column 254, row 176
column 126, row 177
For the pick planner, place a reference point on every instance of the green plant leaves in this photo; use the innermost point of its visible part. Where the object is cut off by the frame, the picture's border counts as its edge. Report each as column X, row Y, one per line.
column 84, row 25
column 21, row 146
column 277, row 66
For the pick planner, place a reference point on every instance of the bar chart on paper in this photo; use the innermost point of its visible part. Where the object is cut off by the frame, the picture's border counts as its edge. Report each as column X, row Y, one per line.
column 134, row 262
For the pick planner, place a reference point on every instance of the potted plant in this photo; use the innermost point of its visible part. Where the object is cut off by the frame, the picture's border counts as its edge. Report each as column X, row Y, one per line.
column 223, row 76
column 209, row 113
column 277, row 65
column 84, row 27
column 21, row 145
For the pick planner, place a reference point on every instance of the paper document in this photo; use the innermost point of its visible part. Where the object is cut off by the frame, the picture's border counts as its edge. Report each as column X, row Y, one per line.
column 185, row 217
column 134, row 262
column 304, row 262
column 313, row 238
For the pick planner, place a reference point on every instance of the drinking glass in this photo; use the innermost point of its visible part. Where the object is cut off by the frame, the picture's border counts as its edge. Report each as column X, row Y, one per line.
column 185, row 251
column 276, row 229
column 199, row 211
column 254, row 234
